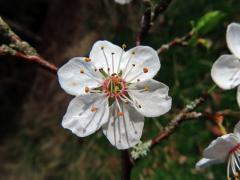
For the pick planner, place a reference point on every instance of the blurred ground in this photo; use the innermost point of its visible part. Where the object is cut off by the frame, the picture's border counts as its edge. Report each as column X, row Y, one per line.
column 32, row 143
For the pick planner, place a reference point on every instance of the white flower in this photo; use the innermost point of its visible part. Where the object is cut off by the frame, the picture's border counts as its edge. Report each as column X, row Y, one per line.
column 114, row 90
column 226, row 147
column 123, row 1
column 226, row 70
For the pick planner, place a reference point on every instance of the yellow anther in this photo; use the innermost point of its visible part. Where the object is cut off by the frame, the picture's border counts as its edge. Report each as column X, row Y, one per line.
column 81, row 71
column 146, row 88
column 87, row 89
column 87, row 59
column 94, row 109
column 124, row 46
column 145, row 70
column 120, row 113
column 116, row 89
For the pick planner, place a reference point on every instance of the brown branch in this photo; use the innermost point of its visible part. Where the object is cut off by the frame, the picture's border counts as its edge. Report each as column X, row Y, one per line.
column 176, row 41
column 189, row 113
column 149, row 17
column 21, row 49
column 174, row 123
column 126, row 165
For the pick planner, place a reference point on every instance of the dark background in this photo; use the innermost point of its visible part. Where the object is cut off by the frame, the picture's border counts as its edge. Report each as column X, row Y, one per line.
column 33, row 145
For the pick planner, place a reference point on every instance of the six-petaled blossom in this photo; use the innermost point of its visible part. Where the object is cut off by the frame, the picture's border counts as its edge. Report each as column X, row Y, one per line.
column 123, row 1
column 114, row 90
column 226, row 70
column 226, row 147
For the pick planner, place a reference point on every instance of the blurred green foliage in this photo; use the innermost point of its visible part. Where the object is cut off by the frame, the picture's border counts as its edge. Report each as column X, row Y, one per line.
column 54, row 153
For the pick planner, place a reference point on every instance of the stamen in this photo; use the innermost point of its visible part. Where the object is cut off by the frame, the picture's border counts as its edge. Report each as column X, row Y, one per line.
column 127, row 99
column 128, row 61
column 87, row 89
column 95, row 91
column 113, row 62
column 120, row 113
column 119, row 130
column 236, row 161
column 130, row 70
column 145, row 70
column 81, row 71
column 87, row 59
column 233, row 166
column 145, row 88
column 135, row 130
column 125, row 127
column 138, row 75
column 123, row 47
column 92, row 77
column 94, row 109
column 106, row 60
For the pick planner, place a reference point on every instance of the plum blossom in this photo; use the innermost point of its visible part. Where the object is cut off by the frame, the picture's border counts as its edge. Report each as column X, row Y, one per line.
column 226, row 70
column 123, row 1
column 114, row 90
column 224, row 148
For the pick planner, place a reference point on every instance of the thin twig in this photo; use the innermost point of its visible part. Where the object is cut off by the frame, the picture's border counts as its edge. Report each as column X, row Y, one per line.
column 175, row 41
column 149, row 17
column 174, row 123
column 126, row 165
column 21, row 49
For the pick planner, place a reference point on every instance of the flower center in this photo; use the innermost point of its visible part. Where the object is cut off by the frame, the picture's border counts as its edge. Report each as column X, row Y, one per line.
column 234, row 149
column 114, row 86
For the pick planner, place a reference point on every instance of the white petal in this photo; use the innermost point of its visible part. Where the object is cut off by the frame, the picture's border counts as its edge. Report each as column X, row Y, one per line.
column 237, row 128
column 153, row 102
column 220, row 147
column 123, row 1
column 226, row 72
column 142, row 57
column 204, row 162
column 233, row 38
column 238, row 96
column 86, row 114
column 101, row 55
column 124, row 131
column 73, row 81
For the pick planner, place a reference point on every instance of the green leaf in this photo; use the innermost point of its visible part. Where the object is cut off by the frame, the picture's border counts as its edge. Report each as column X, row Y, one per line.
column 208, row 22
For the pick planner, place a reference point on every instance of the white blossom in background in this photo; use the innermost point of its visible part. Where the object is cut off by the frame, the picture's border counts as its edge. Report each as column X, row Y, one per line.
column 123, row 1
column 224, row 148
column 226, row 70
column 114, row 90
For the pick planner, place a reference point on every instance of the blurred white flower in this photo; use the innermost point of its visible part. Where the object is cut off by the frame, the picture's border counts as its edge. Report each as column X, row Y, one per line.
column 123, row 1
column 224, row 148
column 114, row 89
column 226, row 70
